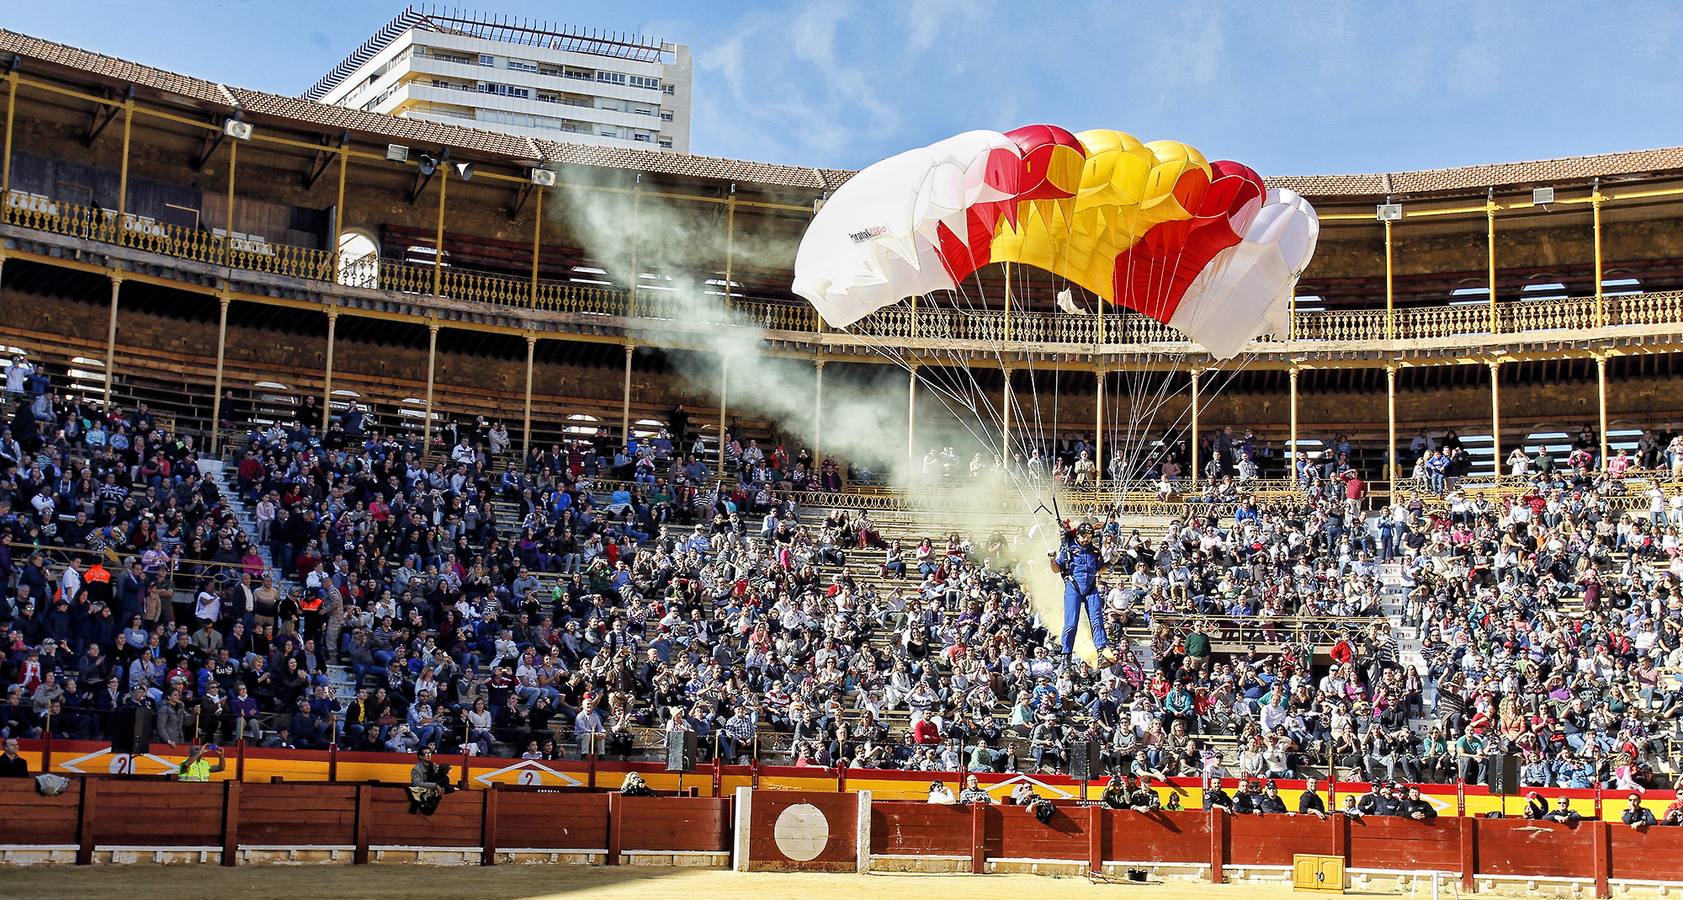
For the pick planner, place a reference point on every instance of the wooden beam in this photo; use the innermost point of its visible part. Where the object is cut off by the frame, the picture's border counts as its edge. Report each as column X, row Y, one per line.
column 422, row 179
column 102, row 118
column 324, row 157
column 207, row 149
column 521, row 195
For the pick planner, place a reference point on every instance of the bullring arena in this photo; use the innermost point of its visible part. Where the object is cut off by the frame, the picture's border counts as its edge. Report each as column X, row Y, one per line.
column 499, row 513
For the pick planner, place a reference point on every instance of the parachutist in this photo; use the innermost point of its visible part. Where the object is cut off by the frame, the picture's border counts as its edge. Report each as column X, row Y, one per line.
column 1080, row 563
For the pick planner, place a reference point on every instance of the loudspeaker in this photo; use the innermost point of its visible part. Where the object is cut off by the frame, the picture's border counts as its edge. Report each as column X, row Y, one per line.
column 1082, row 756
column 133, row 731
column 1501, row 775
column 680, row 751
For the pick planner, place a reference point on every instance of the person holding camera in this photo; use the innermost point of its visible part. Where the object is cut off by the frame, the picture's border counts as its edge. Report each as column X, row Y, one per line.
column 195, row 768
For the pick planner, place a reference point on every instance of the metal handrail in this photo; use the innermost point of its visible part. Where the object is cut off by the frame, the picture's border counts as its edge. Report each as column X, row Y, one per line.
column 928, row 322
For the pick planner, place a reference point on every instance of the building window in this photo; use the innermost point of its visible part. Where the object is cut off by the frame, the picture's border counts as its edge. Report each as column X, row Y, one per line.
column 665, row 144
column 520, row 65
column 640, row 81
column 666, row 117
column 610, row 77
column 641, row 137
column 486, row 59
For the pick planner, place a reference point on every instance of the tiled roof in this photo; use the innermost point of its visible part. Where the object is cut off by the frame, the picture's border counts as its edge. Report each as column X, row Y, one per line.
column 111, row 67
column 416, row 131
column 310, row 114
column 682, row 164
column 1497, row 175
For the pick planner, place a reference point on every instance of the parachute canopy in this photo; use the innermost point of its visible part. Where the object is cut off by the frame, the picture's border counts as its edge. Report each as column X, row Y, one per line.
column 1202, row 246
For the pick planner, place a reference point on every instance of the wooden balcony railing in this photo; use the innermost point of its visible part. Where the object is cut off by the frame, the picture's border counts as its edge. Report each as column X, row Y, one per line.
column 934, row 321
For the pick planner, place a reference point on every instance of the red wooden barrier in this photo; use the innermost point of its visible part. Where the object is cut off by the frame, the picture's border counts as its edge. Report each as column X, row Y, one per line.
column 1158, row 836
column 799, row 830
column 456, row 823
column 159, row 814
column 673, row 823
column 805, row 830
column 1014, row 833
column 1093, row 835
column 1654, row 854
column 1524, row 847
column 920, row 829
column 573, row 821
column 1404, row 844
column 1272, row 840
column 26, row 817
column 297, row 815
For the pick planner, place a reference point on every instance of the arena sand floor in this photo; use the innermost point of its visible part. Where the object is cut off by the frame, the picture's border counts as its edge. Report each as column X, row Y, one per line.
column 436, row 883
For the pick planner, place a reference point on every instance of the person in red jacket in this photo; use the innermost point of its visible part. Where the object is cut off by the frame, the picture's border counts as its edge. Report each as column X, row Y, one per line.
column 924, row 731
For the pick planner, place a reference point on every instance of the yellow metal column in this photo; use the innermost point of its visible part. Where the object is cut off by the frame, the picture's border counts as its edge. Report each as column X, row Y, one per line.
column 11, row 109
column 111, row 338
column 625, row 398
column 730, row 262
column 1393, row 469
column 1005, row 420
column 221, row 353
column 339, row 215
column 1496, row 418
column 724, row 400
column 631, row 240
column 1490, row 254
column 537, row 236
column 817, row 409
column 1195, row 432
column 1601, row 402
column 228, row 235
column 327, row 377
column 1007, row 334
column 526, row 415
column 123, row 173
column 911, row 413
column 1596, row 199
column 1390, row 290
column 1291, row 451
column 1098, row 419
column 432, row 364
column 438, row 235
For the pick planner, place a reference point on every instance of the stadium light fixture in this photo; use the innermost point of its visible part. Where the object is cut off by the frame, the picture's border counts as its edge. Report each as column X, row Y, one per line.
column 543, row 177
column 397, row 153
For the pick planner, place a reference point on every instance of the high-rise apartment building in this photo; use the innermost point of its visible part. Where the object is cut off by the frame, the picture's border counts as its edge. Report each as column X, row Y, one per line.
column 534, row 79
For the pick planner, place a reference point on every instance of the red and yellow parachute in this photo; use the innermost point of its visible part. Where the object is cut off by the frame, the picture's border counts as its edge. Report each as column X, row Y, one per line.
column 1202, row 246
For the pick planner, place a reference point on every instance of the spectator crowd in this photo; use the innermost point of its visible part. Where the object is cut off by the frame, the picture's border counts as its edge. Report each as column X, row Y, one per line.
column 356, row 588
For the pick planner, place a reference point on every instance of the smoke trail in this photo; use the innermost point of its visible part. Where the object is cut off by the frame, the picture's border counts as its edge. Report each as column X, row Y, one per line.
column 675, row 254
column 676, row 257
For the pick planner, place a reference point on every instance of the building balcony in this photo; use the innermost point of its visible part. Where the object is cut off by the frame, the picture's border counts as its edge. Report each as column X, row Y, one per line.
column 51, row 230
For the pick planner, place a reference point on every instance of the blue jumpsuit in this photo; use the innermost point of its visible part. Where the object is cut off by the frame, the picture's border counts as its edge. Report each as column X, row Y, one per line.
column 1080, row 567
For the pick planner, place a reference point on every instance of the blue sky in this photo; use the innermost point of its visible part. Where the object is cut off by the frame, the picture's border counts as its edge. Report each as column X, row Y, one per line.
column 1286, row 86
